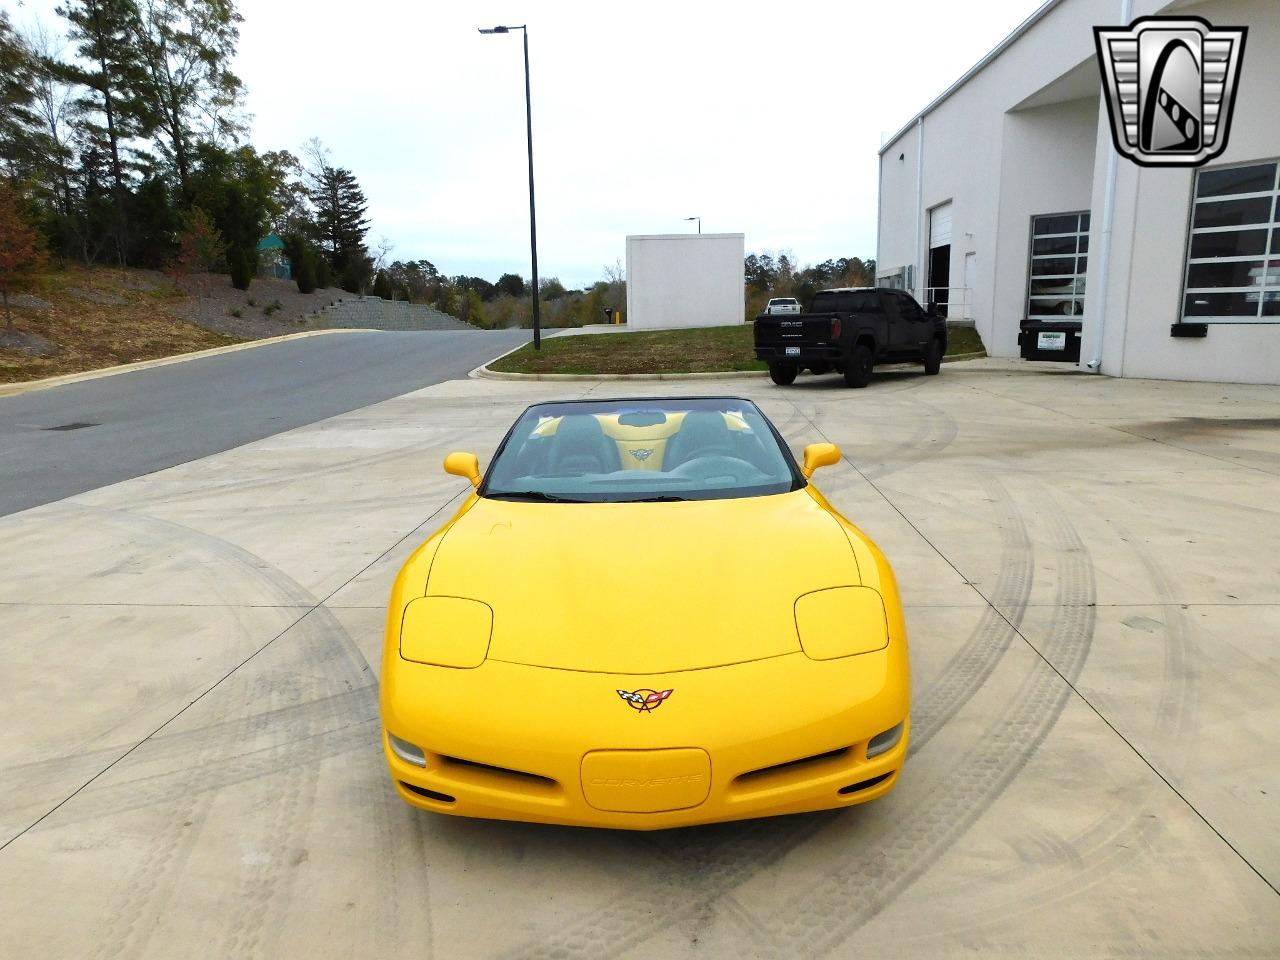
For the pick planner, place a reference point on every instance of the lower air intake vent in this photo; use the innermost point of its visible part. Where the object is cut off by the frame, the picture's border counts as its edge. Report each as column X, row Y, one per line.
column 429, row 794
column 816, row 759
column 866, row 784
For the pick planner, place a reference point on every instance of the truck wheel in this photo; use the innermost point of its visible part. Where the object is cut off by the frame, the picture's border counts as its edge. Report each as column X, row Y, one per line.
column 783, row 374
column 933, row 357
column 857, row 372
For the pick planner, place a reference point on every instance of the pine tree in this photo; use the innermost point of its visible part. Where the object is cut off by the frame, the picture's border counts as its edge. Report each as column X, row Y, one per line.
column 340, row 208
column 22, row 145
column 103, row 33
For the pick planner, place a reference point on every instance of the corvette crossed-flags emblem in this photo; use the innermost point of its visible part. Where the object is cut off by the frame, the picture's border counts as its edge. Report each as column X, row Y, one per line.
column 645, row 700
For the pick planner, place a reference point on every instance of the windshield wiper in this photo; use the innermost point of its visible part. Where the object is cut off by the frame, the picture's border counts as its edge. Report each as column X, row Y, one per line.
column 662, row 499
column 537, row 495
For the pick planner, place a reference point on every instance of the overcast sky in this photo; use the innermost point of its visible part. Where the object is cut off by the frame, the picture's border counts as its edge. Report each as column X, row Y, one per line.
column 763, row 120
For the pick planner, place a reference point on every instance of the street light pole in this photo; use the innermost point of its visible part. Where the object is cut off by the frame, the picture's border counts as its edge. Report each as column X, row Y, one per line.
column 699, row 219
column 533, row 217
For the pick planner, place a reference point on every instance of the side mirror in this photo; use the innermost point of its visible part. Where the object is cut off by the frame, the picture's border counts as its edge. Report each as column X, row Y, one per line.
column 463, row 465
column 819, row 455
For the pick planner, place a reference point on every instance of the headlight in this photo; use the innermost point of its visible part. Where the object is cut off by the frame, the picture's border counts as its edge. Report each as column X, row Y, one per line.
column 884, row 742
column 841, row 622
column 446, row 631
column 406, row 751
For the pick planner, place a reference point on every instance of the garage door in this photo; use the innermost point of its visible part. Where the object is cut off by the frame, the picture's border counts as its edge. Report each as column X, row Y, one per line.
column 940, row 225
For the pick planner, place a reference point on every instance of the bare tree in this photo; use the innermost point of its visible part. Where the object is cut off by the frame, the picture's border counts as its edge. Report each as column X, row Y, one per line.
column 57, row 106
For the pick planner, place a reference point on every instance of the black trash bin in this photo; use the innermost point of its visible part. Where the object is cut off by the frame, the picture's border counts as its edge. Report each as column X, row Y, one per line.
column 1050, row 340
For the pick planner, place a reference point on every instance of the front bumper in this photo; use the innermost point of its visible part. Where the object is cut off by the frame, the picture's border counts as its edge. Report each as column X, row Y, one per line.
column 776, row 736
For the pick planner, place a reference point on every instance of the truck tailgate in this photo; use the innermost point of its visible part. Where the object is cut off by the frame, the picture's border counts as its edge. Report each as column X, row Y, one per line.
column 811, row 330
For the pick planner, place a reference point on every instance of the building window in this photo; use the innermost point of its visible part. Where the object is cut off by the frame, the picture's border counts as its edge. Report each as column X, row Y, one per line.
column 1059, row 261
column 1233, row 259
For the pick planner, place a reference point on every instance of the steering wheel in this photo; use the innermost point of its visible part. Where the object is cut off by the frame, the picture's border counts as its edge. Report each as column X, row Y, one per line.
column 719, row 467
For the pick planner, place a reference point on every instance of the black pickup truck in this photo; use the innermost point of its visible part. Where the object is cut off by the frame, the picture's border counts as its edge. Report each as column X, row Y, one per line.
column 849, row 331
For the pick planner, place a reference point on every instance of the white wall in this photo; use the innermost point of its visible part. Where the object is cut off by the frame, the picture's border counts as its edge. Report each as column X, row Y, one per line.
column 896, row 233
column 1027, row 135
column 685, row 280
column 964, row 162
column 1046, row 167
column 1150, row 236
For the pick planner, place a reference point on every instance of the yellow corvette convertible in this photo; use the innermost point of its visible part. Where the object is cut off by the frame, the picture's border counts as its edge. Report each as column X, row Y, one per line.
column 644, row 616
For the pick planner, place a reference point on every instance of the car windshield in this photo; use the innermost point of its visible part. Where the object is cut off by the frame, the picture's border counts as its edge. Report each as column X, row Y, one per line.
column 618, row 451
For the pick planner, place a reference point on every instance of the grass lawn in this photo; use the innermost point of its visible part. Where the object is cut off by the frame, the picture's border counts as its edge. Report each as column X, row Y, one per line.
column 702, row 350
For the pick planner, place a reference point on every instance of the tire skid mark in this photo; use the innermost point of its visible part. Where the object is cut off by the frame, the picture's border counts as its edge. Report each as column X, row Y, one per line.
column 291, row 753
column 1177, row 701
column 146, row 892
column 835, row 907
column 1117, row 835
column 968, row 669
column 693, row 868
column 936, row 430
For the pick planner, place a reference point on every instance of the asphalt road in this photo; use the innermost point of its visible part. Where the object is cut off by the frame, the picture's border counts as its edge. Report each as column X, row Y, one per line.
column 58, row 442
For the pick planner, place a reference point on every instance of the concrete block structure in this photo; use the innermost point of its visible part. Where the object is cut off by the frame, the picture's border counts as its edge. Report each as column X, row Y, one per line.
column 1005, row 203
column 685, row 280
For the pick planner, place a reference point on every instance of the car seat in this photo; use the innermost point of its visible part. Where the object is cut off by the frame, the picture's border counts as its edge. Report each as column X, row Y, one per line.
column 703, row 433
column 579, row 446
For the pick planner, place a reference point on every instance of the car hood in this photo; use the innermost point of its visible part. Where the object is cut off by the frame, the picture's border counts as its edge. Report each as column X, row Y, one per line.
column 642, row 587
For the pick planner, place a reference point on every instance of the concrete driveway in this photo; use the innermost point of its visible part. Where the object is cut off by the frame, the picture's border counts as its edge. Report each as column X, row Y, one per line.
column 189, row 759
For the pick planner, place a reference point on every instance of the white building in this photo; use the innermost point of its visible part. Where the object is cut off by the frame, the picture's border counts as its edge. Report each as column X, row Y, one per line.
column 1007, row 196
column 685, row 280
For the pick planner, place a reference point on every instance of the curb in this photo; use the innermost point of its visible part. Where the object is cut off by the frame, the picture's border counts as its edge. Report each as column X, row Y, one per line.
column 11, row 389
column 483, row 372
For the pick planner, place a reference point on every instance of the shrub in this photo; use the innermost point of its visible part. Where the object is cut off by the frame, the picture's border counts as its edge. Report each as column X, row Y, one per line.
column 273, row 307
column 324, row 273
column 20, row 253
column 241, row 268
column 304, row 271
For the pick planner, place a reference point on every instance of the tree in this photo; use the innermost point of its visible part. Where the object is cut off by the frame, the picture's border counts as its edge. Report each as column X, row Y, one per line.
column 55, row 104
column 20, row 253
column 288, row 193
column 382, row 286
column 419, row 279
column 551, row 288
column 241, row 267
column 356, row 272
column 201, row 250
column 155, row 224
column 479, row 285
column 304, row 270
column 103, row 33
column 511, row 284
column 185, row 48
column 22, row 145
column 237, row 188
column 340, row 208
